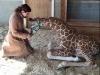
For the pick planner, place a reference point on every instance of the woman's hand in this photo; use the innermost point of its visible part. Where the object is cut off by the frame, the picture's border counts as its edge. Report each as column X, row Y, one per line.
column 28, row 29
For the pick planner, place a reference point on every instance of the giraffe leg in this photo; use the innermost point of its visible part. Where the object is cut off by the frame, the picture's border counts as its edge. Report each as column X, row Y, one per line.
column 51, row 49
column 66, row 64
column 88, row 62
column 69, row 58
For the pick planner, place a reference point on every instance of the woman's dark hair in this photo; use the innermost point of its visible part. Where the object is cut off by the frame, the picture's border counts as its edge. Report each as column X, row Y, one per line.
column 24, row 7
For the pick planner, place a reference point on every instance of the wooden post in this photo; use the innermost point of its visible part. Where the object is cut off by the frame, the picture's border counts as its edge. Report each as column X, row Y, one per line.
column 52, row 8
column 64, row 10
column 40, row 8
column 24, row 1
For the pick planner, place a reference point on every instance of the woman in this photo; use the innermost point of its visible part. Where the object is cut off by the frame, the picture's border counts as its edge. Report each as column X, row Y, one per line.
column 16, row 42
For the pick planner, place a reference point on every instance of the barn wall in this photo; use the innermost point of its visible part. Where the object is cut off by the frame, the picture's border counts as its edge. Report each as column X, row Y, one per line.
column 84, row 16
column 40, row 8
column 86, row 10
column 89, row 28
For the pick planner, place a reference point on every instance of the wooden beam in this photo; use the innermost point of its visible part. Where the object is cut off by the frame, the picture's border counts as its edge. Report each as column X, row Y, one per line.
column 64, row 10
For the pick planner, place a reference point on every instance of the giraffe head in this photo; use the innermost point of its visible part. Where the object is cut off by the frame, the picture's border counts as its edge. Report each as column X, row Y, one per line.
column 48, row 23
column 38, row 23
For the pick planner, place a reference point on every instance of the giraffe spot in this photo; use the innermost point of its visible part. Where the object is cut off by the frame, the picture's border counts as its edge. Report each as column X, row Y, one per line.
column 62, row 32
column 62, row 26
column 66, row 34
column 90, row 43
column 80, row 43
column 67, row 43
column 76, row 40
column 73, row 45
column 70, row 31
column 79, row 37
column 52, row 25
column 73, row 38
column 66, row 30
column 64, row 44
column 57, row 27
column 69, row 37
column 69, row 52
column 59, row 23
column 58, row 30
column 63, row 38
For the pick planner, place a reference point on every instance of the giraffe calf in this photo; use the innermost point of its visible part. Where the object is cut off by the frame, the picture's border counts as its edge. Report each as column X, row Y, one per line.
column 72, row 43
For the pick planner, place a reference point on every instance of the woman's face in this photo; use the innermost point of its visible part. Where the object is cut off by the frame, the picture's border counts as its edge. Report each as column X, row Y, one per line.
column 25, row 14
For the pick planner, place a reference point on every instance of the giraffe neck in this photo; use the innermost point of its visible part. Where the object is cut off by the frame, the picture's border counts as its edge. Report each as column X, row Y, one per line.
column 51, row 23
column 54, row 24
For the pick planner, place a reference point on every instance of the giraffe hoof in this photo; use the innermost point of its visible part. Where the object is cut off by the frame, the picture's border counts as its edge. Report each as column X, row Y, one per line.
column 81, row 59
column 62, row 68
column 49, row 55
column 62, row 65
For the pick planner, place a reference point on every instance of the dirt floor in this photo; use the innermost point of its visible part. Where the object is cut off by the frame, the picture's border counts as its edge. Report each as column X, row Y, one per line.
column 38, row 63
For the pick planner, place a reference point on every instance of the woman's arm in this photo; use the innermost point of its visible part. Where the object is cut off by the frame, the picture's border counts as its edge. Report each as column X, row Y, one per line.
column 14, row 29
